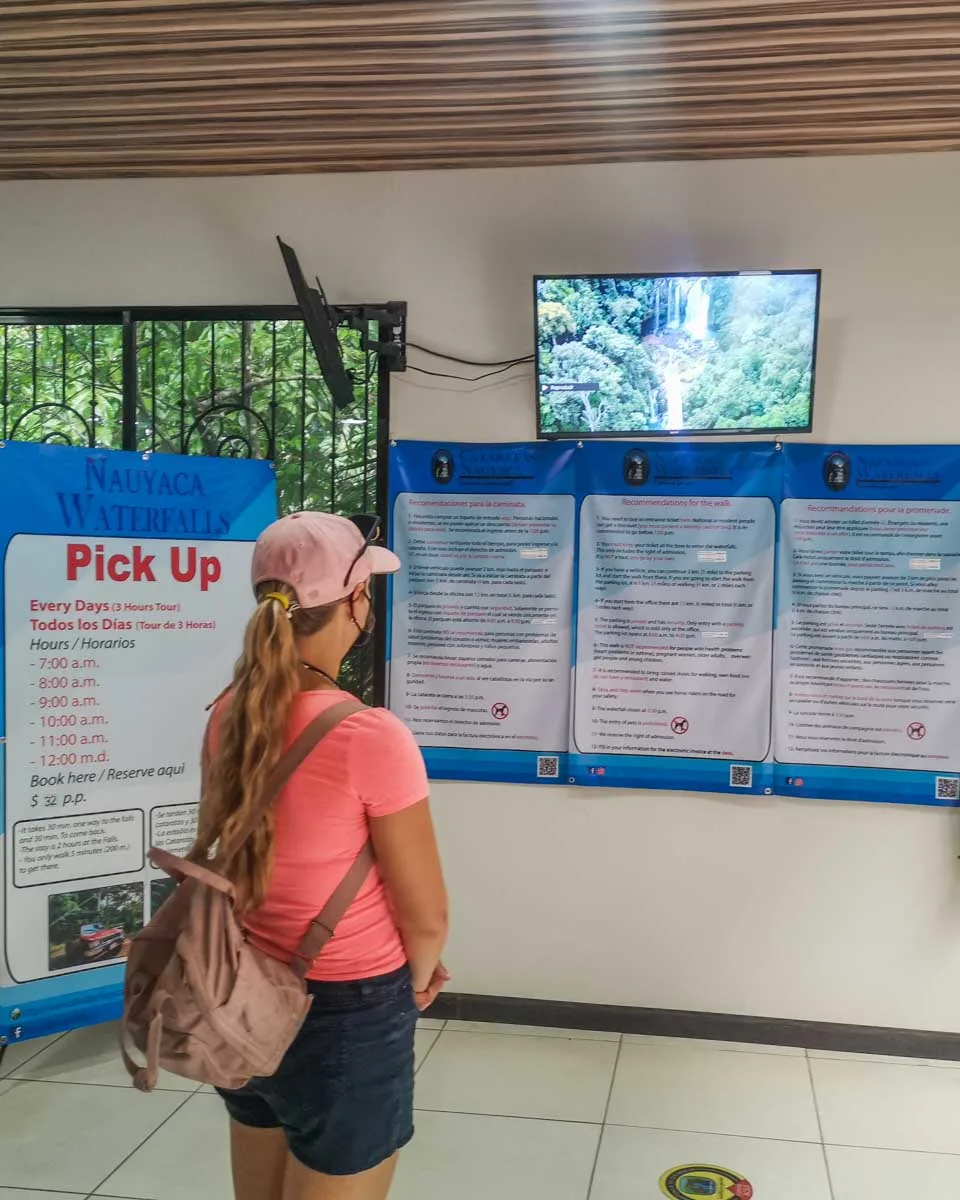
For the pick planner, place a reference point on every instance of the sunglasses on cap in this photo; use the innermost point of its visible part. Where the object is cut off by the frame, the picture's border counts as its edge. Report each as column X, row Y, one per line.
column 369, row 526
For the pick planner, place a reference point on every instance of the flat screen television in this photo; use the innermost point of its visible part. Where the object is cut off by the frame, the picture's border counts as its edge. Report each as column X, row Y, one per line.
column 660, row 355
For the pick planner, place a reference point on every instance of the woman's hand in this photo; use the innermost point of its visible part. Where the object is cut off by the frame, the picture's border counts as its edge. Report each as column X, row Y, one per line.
column 409, row 866
column 439, row 980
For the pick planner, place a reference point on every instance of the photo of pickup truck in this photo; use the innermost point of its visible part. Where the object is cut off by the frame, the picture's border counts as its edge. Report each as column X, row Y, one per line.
column 97, row 942
column 93, row 926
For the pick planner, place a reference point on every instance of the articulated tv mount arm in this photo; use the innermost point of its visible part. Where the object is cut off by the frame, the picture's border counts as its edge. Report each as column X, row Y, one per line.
column 391, row 316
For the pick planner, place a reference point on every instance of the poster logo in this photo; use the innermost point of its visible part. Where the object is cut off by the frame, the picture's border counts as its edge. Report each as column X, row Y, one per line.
column 636, row 468
column 837, row 470
column 916, row 731
column 680, row 725
column 442, row 467
column 500, row 711
column 689, row 1183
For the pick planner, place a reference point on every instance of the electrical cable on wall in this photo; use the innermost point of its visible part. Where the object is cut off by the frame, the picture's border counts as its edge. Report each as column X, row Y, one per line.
column 471, row 362
column 470, row 378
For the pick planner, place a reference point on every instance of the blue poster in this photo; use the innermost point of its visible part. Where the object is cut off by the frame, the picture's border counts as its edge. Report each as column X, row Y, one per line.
column 674, row 616
column 868, row 635
column 124, row 592
column 480, row 630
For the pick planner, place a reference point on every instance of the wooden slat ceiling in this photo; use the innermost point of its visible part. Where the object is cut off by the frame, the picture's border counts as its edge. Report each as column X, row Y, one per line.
column 177, row 87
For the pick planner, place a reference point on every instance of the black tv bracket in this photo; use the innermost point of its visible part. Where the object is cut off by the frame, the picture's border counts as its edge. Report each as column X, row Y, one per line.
column 390, row 319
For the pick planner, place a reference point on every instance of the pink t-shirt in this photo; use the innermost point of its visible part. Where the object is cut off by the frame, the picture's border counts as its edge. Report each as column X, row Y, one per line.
column 369, row 766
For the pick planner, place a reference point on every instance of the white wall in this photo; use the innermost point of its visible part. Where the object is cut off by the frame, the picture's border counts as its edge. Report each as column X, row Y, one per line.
column 841, row 912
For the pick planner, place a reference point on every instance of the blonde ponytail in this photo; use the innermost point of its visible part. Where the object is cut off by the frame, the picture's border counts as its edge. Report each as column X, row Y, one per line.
column 250, row 735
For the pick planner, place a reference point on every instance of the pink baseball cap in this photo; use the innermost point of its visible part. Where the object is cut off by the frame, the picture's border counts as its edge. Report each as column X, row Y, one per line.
column 321, row 556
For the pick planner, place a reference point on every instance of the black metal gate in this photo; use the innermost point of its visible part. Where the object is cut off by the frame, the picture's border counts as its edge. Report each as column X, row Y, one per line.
column 241, row 383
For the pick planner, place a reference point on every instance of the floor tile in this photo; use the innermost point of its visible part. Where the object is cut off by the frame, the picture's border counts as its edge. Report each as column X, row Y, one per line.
column 20, row 1052
column 648, row 1039
column 684, row 1087
column 430, row 1023
column 946, row 1063
column 633, row 1161
column 584, row 1035
column 891, row 1174
column 189, row 1158
column 424, row 1040
column 481, row 1157
column 19, row 1194
column 515, row 1076
column 60, row 1137
column 888, row 1106
column 90, row 1055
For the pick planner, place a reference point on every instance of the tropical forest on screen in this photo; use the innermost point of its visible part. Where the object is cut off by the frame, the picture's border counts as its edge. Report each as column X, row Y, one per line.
column 625, row 355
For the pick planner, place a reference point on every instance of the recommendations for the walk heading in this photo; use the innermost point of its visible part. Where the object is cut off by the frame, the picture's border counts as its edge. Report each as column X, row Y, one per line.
column 115, row 638
column 604, row 614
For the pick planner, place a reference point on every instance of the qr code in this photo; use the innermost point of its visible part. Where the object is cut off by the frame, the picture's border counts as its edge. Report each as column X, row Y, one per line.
column 948, row 788
column 741, row 777
column 548, row 766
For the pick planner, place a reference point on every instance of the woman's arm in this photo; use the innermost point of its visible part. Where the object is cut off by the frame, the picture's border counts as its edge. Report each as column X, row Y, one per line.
column 409, row 863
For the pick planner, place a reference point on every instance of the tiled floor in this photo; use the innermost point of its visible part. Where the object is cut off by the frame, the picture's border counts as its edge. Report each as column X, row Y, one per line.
column 511, row 1113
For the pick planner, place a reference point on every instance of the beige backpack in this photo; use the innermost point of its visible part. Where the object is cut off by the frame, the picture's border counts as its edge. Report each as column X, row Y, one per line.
column 198, row 999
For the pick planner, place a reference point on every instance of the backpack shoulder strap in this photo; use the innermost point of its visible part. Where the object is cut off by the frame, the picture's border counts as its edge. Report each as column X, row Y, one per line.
column 321, row 928
column 205, row 759
column 292, row 757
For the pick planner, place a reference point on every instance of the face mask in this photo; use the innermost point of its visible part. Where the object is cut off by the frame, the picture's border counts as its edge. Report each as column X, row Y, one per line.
column 366, row 630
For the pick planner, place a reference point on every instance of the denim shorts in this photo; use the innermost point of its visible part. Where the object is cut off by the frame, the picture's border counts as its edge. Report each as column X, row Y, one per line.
column 343, row 1095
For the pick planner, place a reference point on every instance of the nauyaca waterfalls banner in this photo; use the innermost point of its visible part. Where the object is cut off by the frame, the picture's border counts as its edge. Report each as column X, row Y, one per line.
column 125, row 590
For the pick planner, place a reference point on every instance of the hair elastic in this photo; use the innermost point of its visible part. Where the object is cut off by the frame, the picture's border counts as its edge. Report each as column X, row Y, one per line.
column 280, row 598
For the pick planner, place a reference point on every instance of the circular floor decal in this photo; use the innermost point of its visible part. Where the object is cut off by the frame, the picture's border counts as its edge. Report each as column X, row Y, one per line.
column 692, row 1182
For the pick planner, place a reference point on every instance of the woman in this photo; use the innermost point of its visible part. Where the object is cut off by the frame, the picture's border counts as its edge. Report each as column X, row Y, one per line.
column 329, row 1124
